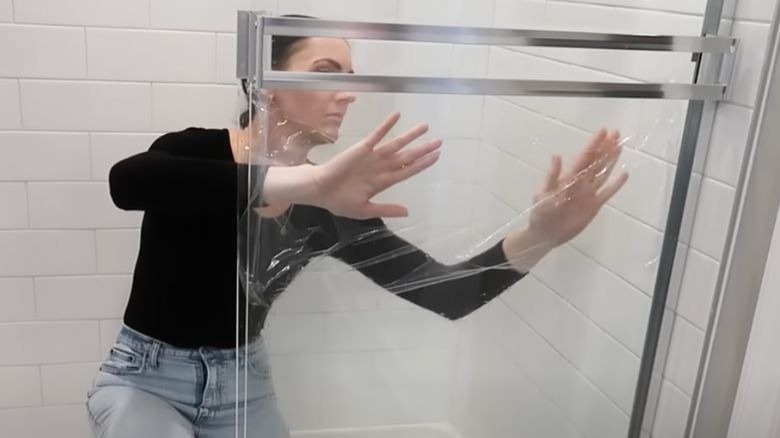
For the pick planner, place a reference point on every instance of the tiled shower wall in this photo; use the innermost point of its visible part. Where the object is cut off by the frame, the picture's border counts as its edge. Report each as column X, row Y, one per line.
column 346, row 354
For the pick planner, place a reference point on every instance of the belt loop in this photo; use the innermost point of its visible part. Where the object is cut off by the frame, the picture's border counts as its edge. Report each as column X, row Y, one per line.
column 153, row 355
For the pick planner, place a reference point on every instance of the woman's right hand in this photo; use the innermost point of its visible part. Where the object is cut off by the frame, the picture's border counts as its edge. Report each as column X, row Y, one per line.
column 346, row 183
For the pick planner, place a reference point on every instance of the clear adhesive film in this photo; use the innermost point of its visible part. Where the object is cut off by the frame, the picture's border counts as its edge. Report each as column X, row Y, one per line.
column 448, row 265
column 529, row 225
column 475, row 227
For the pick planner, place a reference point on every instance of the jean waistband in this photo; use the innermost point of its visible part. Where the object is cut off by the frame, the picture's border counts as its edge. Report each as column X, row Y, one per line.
column 146, row 343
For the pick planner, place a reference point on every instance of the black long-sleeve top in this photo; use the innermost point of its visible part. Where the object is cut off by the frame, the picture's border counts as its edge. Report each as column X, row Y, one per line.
column 184, row 286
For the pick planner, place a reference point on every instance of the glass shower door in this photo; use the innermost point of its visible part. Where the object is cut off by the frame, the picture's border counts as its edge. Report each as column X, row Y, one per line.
column 372, row 328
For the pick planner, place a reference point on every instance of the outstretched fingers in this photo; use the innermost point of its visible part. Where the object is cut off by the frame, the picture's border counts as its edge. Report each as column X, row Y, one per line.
column 590, row 153
column 604, row 169
column 398, row 143
column 553, row 174
column 608, row 191
column 382, row 130
column 411, row 169
column 406, row 157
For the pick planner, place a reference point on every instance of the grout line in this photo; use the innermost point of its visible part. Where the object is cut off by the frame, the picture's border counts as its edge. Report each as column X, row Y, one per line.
column 500, row 344
column 610, row 206
column 68, row 276
column 592, row 70
column 589, row 69
column 121, row 27
column 52, row 321
column 618, row 275
column 66, row 132
column 151, row 105
column 91, row 160
column 643, row 152
column 566, row 359
column 35, row 297
column 665, row 378
column 21, row 109
column 86, row 53
column 27, row 195
column 684, row 318
column 95, row 243
column 216, row 57
column 100, row 333
column 120, row 81
column 575, row 127
column 64, row 230
column 659, row 11
column 609, row 271
column 587, row 317
column 596, row 4
column 57, row 181
column 40, row 384
column 63, row 276
column 748, row 21
column 149, row 27
column 7, row 409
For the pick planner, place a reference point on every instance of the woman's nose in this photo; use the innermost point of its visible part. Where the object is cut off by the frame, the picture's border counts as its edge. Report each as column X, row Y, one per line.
column 346, row 96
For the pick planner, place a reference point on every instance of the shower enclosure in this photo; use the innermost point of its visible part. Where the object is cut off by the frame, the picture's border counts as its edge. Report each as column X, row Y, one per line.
column 568, row 351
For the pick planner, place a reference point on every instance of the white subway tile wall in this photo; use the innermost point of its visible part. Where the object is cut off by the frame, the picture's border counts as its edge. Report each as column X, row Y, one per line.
column 10, row 110
column 100, row 13
column 14, row 197
column 576, row 328
column 6, row 10
column 21, row 386
column 108, row 148
column 57, row 205
column 205, row 15
column 151, row 56
column 57, row 420
column 35, row 57
column 556, row 356
column 63, row 298
column 17, row 299
column 368, row 10
column 54, row 105
column 44, row 156
column 47, row 252
column 116, row 250
column 178, row 106
column 67, row 383
column 108, row 330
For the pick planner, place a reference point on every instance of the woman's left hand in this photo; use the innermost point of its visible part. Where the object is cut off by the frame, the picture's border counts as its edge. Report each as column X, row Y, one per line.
column 568, row 200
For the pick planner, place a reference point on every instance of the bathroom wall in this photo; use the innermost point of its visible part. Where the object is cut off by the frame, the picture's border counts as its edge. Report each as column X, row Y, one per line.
column 120, row 75
column 571, row 334
column 556, row 356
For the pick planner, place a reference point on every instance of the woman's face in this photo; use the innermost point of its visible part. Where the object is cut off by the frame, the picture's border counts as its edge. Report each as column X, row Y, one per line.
column 321, row 111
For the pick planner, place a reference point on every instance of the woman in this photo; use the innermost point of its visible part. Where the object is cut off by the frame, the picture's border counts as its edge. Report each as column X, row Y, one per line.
column 172, row 370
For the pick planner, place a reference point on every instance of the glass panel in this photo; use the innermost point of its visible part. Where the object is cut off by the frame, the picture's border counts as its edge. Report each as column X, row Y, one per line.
column 367, row 336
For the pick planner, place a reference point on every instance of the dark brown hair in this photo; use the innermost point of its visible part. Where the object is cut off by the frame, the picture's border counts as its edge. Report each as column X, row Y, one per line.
column 281, row 51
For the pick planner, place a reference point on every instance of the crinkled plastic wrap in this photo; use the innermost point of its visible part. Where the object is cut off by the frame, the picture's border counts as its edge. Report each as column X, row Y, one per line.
column 514, row 233
column 457, row 250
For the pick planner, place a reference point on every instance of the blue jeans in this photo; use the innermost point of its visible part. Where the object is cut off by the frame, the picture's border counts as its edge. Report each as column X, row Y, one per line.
column 150, row 389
